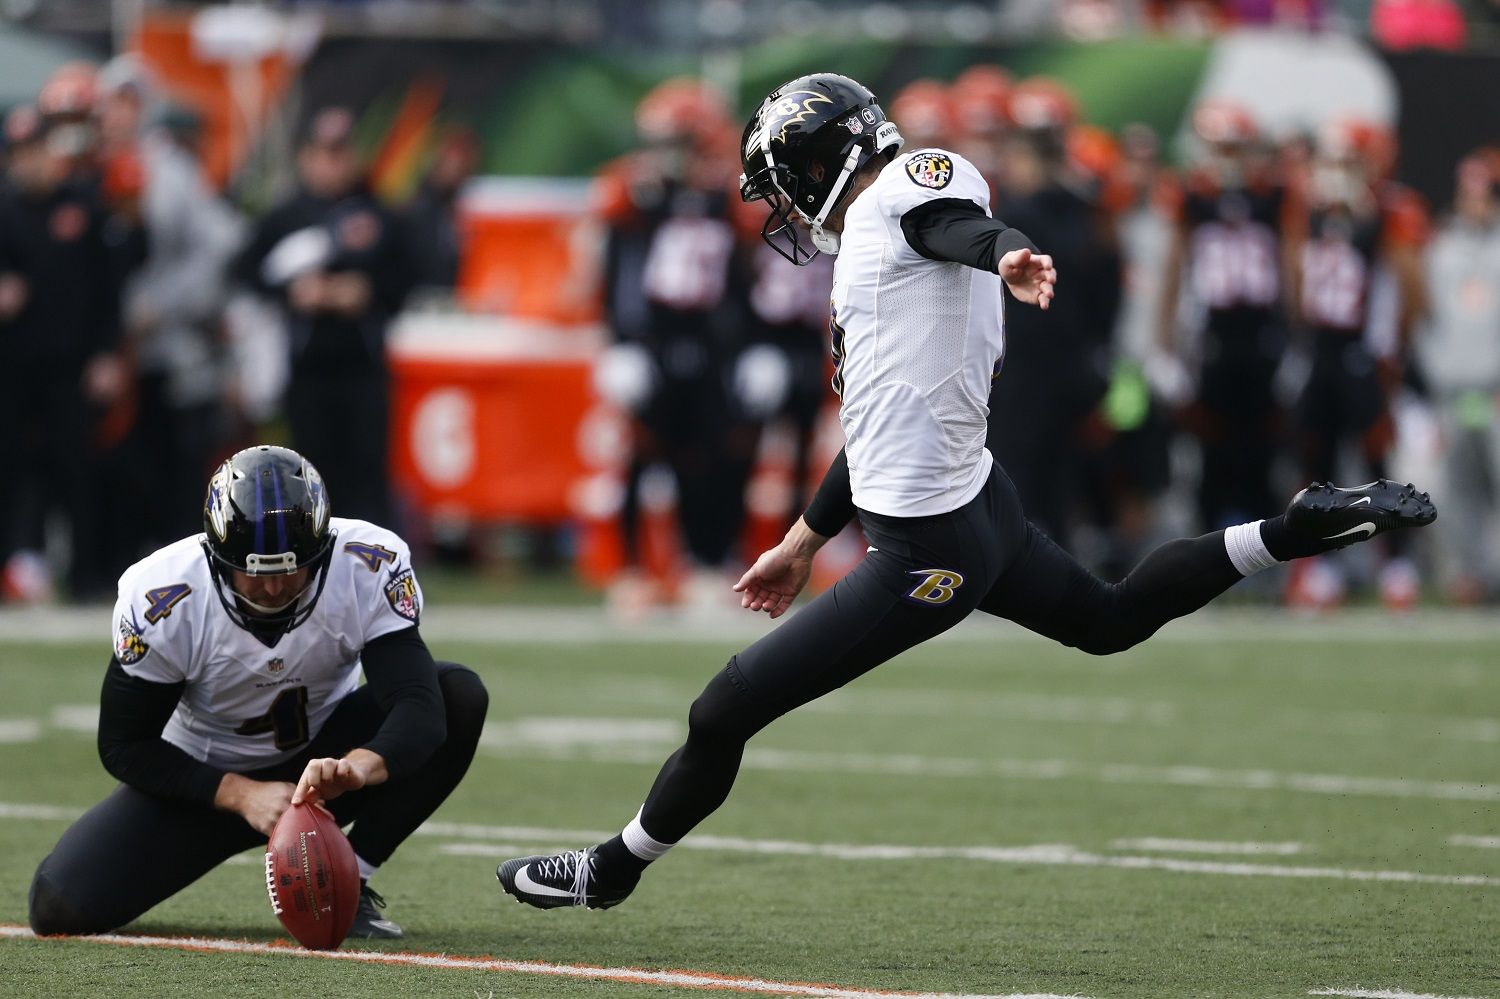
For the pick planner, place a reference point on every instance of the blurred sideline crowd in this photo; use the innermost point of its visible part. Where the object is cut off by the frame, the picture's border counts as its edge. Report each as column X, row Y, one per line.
column 151, row 330
column 1278, row 311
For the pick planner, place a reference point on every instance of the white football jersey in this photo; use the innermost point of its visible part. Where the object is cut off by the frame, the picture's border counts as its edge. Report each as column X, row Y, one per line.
column 916, row 343
column 247, row 705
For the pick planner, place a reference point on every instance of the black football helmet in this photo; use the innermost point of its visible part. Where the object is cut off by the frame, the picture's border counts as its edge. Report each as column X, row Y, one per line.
column 800, row 150
column 266, row 513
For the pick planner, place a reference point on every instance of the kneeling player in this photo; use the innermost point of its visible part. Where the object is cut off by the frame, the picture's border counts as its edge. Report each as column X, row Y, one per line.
column 235, row 676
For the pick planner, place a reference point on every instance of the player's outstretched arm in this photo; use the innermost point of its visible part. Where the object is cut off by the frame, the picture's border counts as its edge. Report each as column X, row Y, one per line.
column 1030, row 276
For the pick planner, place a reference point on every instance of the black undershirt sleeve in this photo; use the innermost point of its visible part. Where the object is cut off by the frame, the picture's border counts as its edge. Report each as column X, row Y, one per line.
column 400, row 674
column 132, row 714
column 832, row 507
column 958, row 230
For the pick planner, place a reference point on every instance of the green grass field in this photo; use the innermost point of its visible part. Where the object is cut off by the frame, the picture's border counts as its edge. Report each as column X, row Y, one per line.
column 1266, row 812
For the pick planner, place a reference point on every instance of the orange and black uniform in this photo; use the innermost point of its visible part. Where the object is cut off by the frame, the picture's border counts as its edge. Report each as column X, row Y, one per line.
column 675, row 284
column 1352, row 307
column 1232, row 239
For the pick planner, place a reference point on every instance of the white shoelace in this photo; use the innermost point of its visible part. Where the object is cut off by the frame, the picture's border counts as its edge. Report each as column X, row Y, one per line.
column 581, row 863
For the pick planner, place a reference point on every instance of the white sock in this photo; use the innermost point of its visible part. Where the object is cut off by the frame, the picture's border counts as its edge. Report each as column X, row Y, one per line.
column 640, row 844
column 366, row 869
column 1246, row 548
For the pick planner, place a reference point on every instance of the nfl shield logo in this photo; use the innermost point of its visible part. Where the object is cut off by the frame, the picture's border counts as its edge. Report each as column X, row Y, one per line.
column 275, row 665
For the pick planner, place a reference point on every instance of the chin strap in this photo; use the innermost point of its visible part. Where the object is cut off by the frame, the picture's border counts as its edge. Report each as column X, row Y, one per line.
column 828, row 242
column 262, row 608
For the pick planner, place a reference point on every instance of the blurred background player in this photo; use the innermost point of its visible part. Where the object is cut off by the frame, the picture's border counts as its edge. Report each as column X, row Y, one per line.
column 675, row 281
column 339, row 263
column 1356, row 291
column 1460, row 354
column 1056, row 361
column 924, row 111
column 980, row 109
column 1126, row 460
column 60, row 320
column 173, row 301
column 1228, row 251
column 432, row 214
column 783, row 374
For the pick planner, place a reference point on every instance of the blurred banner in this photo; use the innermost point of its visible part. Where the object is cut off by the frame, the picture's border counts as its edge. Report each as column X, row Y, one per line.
column 555, row 110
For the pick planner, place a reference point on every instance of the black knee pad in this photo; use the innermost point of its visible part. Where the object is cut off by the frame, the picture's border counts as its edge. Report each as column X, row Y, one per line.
column 465, row 701
column 50, row 911
column 724, row 712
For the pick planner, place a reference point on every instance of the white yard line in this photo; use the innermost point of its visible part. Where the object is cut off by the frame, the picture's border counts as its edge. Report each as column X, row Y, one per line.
column 569, row 625
column 81, row 718
column 913, row 765
column 927, row 703
column 499, row 841
column 1046, row 855
column 1481, row 842
column 1359, row 993
column 1161, row 845
column 23, row 810
column 14, row 731
column 635, row 976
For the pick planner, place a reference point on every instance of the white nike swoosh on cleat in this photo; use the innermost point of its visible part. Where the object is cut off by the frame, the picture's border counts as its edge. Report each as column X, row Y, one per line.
column 530, row 887
column 1367, row 527
column 1362, row 499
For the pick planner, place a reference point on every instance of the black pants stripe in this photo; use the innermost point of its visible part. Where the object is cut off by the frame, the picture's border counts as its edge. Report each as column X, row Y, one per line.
column 134, row 850
column 1007, row 568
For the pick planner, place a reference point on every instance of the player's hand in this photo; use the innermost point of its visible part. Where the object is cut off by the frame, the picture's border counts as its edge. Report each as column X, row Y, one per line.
column 1029, row 276
column 348, row 293
column 259, row 802
column 308, row 292
column 106, row 377
column 326, row 779
column 14, row 294
column 774, row 581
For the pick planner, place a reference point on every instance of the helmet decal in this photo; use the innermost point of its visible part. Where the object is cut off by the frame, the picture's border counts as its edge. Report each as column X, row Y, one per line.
column 791, row 109
column 216, row 507
column 319, row 496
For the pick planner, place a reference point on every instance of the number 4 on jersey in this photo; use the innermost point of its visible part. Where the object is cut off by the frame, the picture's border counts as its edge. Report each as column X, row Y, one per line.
column 160, row 601
column 371, row 555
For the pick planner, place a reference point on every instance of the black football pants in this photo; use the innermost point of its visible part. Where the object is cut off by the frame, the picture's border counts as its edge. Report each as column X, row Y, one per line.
column 134, row 850
column 920, row 578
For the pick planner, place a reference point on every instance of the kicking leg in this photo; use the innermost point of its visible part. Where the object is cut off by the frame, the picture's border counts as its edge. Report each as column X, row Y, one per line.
column 893, row 600
column 1047, row 591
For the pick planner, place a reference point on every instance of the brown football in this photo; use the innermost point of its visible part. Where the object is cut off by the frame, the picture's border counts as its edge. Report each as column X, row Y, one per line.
column 312, row 877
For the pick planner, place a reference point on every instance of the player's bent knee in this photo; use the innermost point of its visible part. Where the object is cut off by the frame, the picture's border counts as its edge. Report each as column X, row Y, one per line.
column 1109, row 641
column 723, row 713
column 465, row 700
column 52, row 912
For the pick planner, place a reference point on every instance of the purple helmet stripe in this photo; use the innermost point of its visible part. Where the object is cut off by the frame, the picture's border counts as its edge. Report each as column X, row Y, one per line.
column 280, row 514
column 259, row 518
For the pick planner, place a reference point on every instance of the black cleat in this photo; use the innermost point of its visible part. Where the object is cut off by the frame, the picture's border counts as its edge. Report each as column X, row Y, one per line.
column 569, row 878
column 1337, row 518
column 369, row 924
